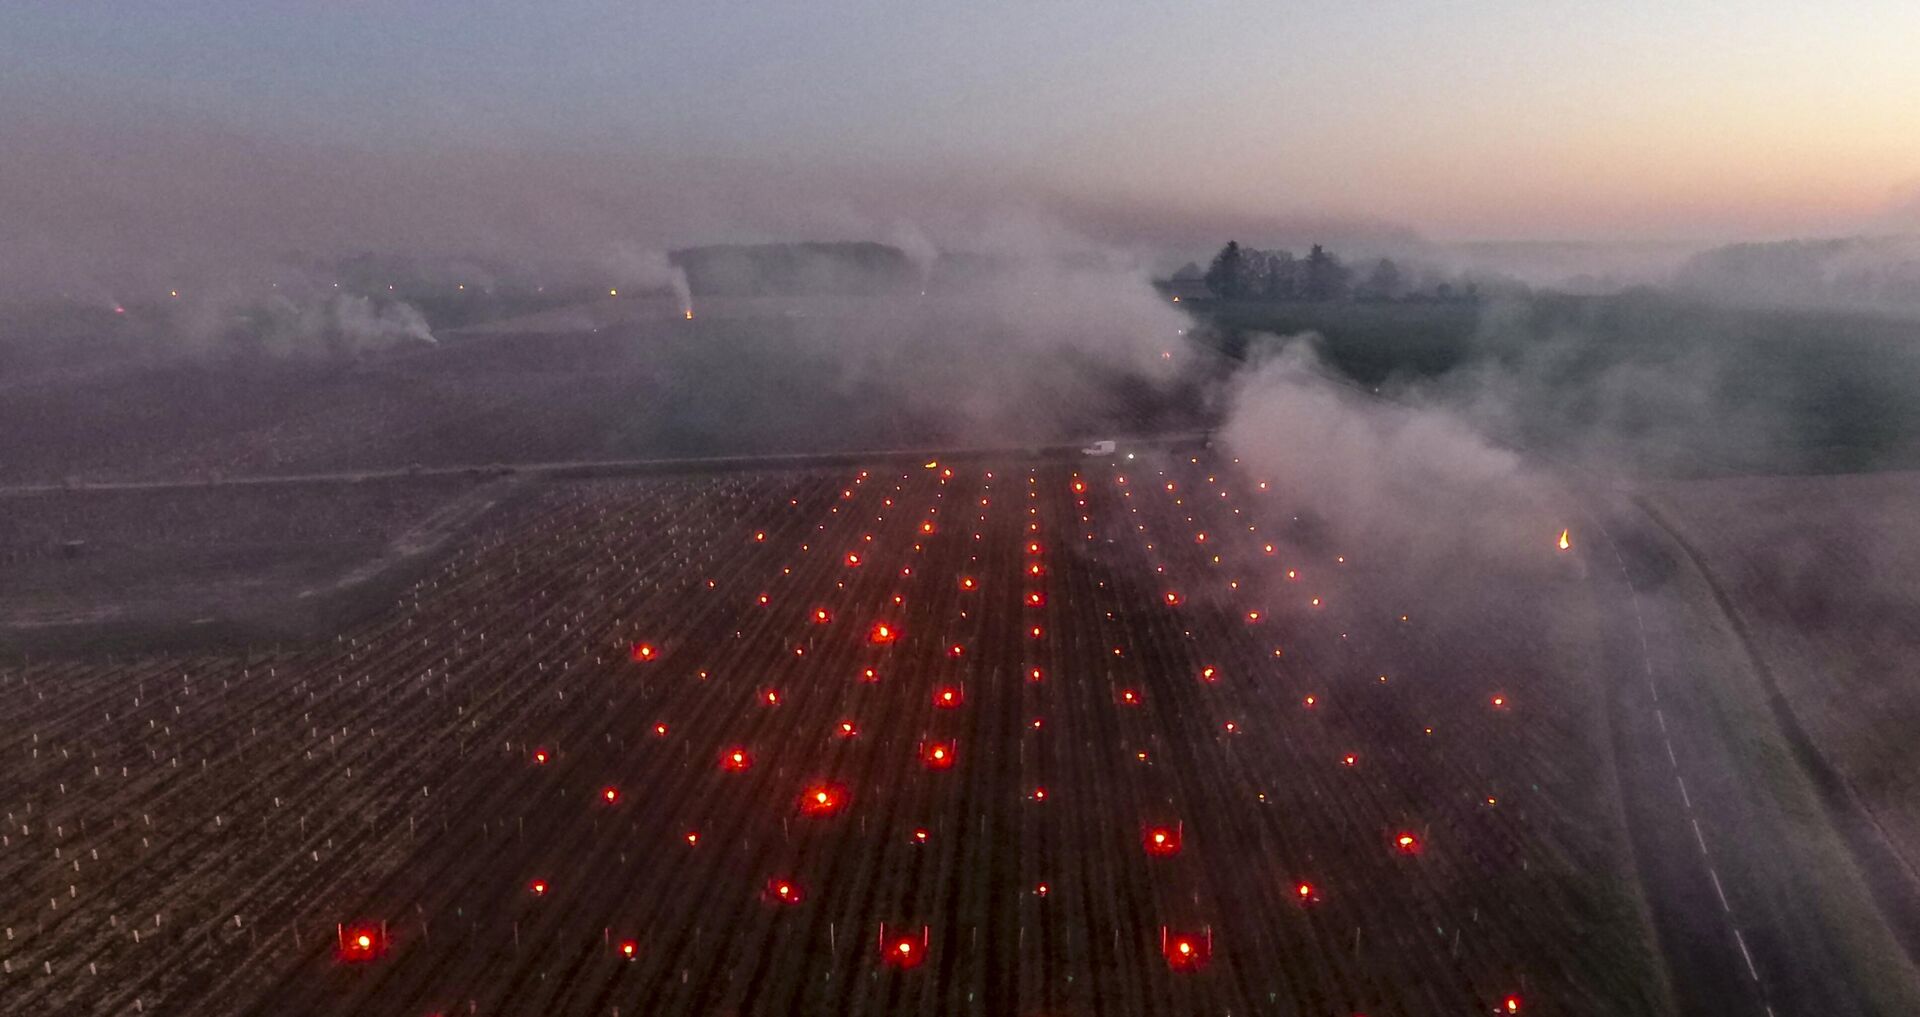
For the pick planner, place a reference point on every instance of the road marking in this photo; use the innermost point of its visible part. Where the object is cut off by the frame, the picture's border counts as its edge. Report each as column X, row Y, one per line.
column 1742, row 940
column 1653, row 688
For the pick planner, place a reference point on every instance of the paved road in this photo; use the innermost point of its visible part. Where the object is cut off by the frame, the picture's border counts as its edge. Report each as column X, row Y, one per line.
column 1741, row 873
column 1709, row 963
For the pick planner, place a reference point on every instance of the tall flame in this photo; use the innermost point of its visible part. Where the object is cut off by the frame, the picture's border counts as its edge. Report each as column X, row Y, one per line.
column 1564, row 542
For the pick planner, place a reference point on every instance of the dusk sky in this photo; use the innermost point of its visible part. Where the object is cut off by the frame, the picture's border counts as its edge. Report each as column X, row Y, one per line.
column 1557, row 121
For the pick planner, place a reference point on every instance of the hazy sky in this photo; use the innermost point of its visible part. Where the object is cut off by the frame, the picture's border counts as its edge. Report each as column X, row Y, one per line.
column 1611, row 121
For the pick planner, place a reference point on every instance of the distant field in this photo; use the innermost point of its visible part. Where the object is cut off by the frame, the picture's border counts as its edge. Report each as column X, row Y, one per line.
column 1639, row 382
column 723, row 385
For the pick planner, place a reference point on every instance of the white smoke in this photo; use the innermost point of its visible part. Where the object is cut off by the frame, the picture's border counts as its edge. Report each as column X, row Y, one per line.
column 363, row 324
column 1402, row 477
column 918, row 249
column 300, row 317
column 645, row 269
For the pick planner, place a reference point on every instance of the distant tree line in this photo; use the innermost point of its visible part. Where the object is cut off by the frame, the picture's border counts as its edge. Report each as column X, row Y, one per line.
column 1243, row 273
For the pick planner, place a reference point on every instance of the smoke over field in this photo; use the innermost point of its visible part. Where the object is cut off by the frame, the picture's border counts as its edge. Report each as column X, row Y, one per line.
column 1392, row 476
column 588, row 508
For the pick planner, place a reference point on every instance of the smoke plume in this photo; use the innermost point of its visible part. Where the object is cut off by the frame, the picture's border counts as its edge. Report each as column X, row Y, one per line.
column 1406, row 478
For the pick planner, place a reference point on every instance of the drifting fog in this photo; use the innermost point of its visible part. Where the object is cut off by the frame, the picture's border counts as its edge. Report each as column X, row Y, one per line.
column 1872, row 273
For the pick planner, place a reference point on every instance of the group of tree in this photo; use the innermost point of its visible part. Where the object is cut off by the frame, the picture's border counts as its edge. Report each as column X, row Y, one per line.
column 1243, row 273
